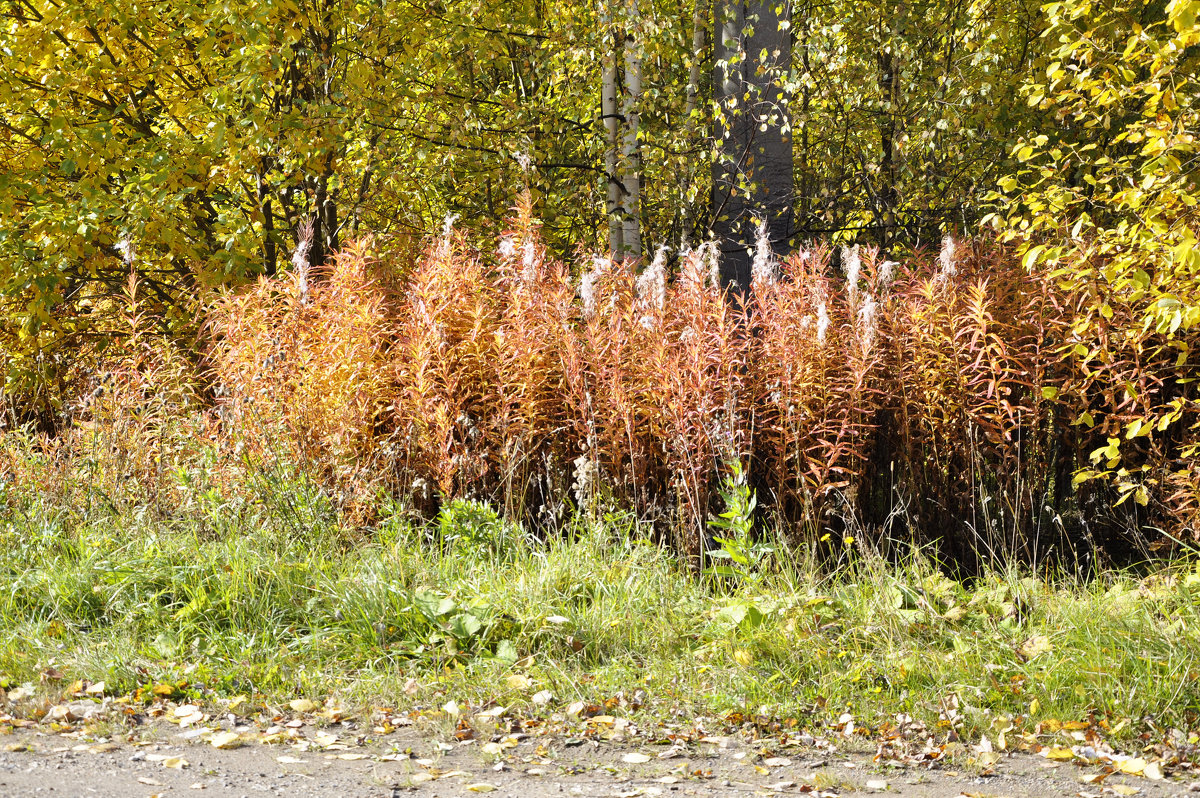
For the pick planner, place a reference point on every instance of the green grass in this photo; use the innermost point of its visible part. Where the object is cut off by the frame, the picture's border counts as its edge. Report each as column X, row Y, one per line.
column 271, row 598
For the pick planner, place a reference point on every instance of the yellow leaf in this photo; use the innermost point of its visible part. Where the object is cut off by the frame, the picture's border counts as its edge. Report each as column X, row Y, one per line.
column 955, row 614
column 481, row 786
column 987, row 759
column 1059, row 753
column 303, row 705
column 1035, row 646
column 175, row 762
column 226, row 740
column 519, row 681
column 1133, row 767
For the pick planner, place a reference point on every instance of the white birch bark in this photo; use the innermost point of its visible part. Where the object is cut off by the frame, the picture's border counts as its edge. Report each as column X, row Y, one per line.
column 612, row 126
column 631, row 153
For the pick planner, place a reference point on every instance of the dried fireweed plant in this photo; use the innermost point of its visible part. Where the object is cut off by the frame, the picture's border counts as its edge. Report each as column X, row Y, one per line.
column 953, row 385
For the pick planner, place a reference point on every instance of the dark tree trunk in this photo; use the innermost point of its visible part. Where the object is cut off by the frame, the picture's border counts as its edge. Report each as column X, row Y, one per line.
column 752, row 170
column 889, row 88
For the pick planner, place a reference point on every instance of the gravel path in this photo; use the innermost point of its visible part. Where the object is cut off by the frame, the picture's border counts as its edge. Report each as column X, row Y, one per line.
column 157, row 761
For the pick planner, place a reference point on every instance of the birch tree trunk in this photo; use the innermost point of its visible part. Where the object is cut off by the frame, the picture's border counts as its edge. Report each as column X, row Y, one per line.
column 612, row 128
column 752, row 167
column 631, row 153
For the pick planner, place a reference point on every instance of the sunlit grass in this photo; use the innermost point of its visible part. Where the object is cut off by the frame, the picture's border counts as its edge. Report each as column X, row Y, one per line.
column 273, row 607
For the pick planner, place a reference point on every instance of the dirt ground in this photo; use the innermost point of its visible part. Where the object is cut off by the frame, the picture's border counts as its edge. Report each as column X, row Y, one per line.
column 160, row 761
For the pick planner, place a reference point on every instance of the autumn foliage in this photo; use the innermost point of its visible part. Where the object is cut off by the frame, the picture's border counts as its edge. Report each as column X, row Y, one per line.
column 946, row 400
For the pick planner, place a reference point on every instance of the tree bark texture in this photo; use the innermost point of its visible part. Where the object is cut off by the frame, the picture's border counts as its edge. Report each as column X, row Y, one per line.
column 752, row 166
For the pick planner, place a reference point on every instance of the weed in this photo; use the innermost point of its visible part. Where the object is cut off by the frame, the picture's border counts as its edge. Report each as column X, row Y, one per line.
column 733, row 531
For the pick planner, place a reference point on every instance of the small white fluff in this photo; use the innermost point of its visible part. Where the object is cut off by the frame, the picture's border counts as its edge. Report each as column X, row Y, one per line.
column 852, row 264
column 946, row 257
column 887, row 274
column 764, row 270
column 822, row 321
column 651, row 284
column 866, row 323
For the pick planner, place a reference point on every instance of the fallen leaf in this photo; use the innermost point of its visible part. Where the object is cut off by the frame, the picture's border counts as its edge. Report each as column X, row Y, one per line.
column 175, row 762
column 95, row 689
column 226, row 740
column 1035, row 646
column 955, row 614
column 1134, row 767
column 303, row 705
column 353, row 757
column 557, row 620
column 877, row 784
column 581, row 709
column 987, row 759
column 519, row 681
column 481, row 786
column 635, row 759
column 1058, row 753
column 325, row 739
column 494, row 712
column 1153, row 771
column 290, row 760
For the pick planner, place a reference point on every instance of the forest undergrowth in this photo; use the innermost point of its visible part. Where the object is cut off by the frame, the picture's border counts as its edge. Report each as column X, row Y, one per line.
column 866, row 487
